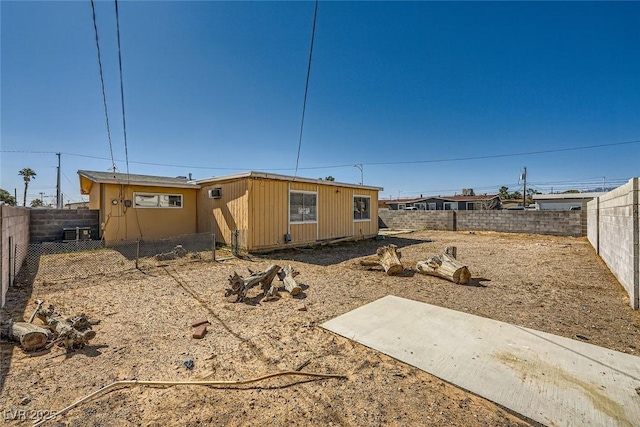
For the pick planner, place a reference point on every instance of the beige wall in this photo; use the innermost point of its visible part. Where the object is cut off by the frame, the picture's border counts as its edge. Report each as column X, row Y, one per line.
column 121, row 223
column 268, row 206
column 224, row 215
column 14, row 227
column 259, row 208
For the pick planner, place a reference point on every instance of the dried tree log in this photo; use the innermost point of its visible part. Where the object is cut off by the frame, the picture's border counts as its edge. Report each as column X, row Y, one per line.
column 445, row 266
column 31, row 337
column 374, row 260
column 389, row 260
column 72, row 332
column 241, row 285
column 287, row 276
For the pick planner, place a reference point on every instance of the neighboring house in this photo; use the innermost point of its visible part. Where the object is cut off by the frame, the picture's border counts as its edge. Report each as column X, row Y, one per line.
column 564, row 201
column 273, row 211
column 439, row 203
column 140, row 206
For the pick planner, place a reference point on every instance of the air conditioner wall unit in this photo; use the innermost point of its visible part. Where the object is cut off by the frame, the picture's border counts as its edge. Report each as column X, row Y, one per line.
column 215, row 193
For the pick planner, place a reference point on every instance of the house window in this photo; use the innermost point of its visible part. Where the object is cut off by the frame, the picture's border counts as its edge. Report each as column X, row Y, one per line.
column 361, row 208
column 421, row 206
column 432, row 206
column 303, row 206
column 157, row 200
column 401, row 206
column 450, row 206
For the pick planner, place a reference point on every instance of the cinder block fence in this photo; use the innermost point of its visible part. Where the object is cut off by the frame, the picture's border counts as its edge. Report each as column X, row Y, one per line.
column 613, row 228
column 559, row 223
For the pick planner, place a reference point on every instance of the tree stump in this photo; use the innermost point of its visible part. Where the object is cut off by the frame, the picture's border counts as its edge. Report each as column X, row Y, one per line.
column 287, row 276
column 389, row 260
column 241, row 285
column 445, row 266
column 31, row 337
column 72, row 332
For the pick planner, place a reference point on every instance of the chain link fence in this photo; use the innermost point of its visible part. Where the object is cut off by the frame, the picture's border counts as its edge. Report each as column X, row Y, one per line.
column 51, row 262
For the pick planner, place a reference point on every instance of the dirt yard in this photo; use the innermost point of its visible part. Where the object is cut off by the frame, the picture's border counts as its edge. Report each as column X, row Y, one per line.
column 553, row 284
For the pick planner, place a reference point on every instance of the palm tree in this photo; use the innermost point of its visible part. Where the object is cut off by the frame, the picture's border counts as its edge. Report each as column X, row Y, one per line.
column 27, row 174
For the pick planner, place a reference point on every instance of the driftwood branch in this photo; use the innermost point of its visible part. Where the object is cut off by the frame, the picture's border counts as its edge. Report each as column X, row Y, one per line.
column 241, row 285
column 445, row 266
column 72, row 332
column 287, row 276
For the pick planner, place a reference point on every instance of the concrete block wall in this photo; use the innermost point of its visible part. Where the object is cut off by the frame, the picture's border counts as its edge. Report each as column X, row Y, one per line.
column 14, row 231
column 614, row 231
column 557, row 223
column 560, row 223
column 47, row 225
column 417, row 220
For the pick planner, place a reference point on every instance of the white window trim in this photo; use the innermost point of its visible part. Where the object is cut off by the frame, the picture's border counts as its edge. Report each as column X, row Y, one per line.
column 417, row 205
column 433, row 206
column 146, row 193
column 401, row 206
column 453, row 206
column 315, row 221
column 364, row 219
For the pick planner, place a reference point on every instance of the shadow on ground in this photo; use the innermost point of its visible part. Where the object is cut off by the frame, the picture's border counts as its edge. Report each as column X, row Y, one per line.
column 335, row 254
column 17, row 296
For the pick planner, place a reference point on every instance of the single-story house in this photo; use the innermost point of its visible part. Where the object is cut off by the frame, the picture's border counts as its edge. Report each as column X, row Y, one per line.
column 257, row 210
column 140, row 206
column 455, row 203
column 273, row 211
column 564, row 201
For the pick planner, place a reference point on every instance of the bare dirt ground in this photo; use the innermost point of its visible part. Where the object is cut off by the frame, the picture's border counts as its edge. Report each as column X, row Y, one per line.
column 553, row 284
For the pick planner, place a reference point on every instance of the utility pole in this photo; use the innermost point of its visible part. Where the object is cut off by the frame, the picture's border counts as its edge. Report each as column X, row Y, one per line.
column 524, row 178
column 58, row 201
column 603, row 184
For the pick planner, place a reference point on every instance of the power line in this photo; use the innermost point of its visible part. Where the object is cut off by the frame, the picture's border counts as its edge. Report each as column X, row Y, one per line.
column 306, row 86
column 104, row 95
column 124, row 122
column 350, row 165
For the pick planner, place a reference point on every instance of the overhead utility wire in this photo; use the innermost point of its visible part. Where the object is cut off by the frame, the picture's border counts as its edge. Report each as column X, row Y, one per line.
column 306, row 86
column 350, row 165
column 104, row 95
column 124, row 122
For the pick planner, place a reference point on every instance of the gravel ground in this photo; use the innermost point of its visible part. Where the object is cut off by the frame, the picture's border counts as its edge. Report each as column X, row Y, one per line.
column 553, row 284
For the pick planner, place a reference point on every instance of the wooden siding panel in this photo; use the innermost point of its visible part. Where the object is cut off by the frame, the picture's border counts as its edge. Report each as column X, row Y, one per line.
column 303, row 233
column 334, row 212
column 304, row 186
column 269, row 213
column 228, row 213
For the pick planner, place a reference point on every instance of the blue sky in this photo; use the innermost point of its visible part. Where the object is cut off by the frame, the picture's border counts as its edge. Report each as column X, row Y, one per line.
column 403, row 88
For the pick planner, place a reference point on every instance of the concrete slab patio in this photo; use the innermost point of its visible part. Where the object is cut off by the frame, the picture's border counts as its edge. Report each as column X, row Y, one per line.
column 550, row 379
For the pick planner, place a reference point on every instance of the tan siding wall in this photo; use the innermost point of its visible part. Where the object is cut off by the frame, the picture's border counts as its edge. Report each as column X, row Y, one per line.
column 94, row 196
column 261, row 206
column 125, row 224
column 335, row 212
column 303, row 186
column 224, row 215
column 366, row 228
column 303, row 233
column 268, row 203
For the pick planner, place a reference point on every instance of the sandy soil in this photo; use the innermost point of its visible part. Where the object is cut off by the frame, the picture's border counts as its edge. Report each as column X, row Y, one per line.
column 553, row 284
